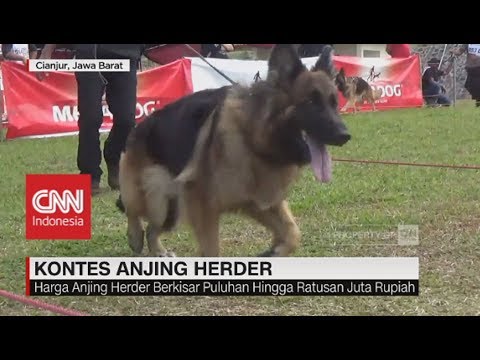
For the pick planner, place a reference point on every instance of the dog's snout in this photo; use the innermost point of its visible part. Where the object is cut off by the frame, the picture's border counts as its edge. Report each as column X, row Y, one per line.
column 342, row 138
column 341, row 135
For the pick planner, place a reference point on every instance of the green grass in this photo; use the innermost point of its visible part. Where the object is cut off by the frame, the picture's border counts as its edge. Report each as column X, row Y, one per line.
column 443, row 202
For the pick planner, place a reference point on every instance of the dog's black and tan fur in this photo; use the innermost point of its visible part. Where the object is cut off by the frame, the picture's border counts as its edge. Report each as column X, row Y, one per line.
column 356, row 89
column 230, row 149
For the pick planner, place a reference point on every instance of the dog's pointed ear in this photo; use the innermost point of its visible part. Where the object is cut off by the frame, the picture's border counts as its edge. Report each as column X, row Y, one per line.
column 341, row 77
column 341, row 81
column 284, row 65
column 325, row 62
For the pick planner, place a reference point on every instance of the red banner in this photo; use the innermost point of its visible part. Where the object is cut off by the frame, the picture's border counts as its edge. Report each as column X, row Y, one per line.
column 399, row 80
column 50, row 107
column 2, row 103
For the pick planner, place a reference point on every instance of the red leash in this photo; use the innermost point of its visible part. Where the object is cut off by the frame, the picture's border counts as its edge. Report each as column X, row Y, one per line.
column 41, row 305
column 471, row 167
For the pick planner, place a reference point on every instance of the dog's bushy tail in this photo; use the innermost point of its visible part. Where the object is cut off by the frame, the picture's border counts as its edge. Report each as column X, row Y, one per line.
column 377, row 94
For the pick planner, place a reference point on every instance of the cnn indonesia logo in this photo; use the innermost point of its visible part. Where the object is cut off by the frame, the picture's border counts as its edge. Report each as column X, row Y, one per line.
column 56, row 202
column 58, row 207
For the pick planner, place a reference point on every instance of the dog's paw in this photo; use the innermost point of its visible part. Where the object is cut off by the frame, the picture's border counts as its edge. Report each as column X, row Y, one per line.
column 268, row 253
column 162, row 254
column 135, row 241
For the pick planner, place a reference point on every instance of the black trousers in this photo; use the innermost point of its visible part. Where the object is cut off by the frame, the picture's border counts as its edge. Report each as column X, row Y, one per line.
column 121, row 96
column 472, row 84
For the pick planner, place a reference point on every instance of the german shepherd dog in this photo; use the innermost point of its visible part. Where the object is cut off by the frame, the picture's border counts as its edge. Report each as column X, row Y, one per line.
column 235, row 148
column 356, row 89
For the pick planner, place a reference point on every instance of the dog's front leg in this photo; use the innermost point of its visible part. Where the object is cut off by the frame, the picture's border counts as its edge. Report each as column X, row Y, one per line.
column 355, row 109
column 203, row 219
column 206, row 228
column 345, row 107
column 278, row 219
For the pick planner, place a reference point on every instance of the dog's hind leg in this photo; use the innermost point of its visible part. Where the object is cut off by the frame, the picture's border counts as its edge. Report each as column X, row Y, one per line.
column 371, row 99
column 160, row 221
column 160, row 210
column 131, row 202
column 157, row 214
column 279, row 219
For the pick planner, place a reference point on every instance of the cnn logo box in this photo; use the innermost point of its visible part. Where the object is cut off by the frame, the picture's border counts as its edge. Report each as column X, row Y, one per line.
column 58, row 207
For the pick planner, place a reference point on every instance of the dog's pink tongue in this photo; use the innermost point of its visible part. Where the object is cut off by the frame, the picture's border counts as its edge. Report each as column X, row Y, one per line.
column 321, row 161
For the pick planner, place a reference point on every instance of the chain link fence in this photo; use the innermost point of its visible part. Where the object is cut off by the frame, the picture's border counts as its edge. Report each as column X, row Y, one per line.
column 454, row 82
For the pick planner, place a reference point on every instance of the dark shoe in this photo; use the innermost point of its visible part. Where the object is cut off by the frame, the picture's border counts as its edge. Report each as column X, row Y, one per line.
column 95, row 187
column 113, row 181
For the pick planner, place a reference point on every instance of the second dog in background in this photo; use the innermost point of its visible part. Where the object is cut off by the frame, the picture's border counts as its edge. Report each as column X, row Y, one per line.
column 356, row 89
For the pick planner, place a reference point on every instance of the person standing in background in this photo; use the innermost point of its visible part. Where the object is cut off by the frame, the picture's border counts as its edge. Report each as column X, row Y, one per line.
column 472, row 66
column 120, row 89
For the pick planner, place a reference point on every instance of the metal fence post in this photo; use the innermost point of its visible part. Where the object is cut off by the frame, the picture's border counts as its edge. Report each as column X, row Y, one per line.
column 454, row 81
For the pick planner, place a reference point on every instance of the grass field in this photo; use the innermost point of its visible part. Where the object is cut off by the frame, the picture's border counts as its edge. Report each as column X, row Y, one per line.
column 443, row 202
